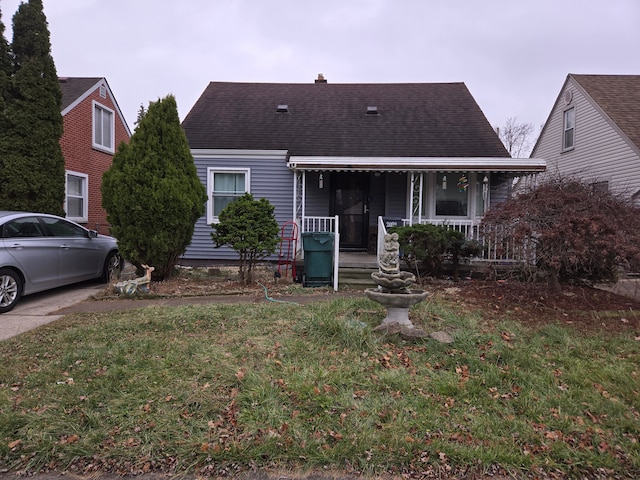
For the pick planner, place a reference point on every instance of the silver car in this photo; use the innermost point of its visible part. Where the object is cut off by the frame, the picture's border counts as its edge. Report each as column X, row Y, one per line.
column 39, row 252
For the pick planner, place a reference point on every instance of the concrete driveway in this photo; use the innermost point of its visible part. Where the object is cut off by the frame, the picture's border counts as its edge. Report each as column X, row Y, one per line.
column 40, row 308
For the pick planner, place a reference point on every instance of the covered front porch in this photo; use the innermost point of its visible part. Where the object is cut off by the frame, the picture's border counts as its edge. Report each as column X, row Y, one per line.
column 357, row 198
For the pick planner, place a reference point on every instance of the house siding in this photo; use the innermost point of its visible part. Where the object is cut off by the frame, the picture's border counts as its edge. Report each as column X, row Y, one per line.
column 601, row 153
column 500, row 188
column 317, row 199
column 270, row 179
column 396, row 198
column 80, row 156
column 377, row 194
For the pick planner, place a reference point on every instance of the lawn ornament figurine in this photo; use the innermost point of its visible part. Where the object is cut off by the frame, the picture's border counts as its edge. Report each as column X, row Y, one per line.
column 129, row 287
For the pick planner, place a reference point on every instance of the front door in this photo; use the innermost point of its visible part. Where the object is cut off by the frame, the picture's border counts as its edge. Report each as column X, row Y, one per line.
column 350, row 201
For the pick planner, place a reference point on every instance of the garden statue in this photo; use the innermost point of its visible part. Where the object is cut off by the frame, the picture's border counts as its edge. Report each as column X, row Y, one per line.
column 389, row 261
column 129, row 287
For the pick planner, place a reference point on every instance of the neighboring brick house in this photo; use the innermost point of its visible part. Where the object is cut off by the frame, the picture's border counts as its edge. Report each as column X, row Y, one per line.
column 93, row 128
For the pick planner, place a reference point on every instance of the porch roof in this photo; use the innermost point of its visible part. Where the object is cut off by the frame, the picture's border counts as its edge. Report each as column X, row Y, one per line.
column 418, row 164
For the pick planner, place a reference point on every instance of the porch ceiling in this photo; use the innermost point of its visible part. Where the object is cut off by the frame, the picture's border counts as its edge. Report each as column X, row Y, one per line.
column 418, row 164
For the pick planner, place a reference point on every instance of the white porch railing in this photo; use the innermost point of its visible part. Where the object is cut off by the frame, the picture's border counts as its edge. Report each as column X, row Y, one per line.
column 496, row 247
column 325, row 224
column 320, row 224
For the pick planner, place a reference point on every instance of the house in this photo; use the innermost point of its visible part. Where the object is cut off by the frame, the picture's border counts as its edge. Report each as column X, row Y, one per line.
column 93, row 128
column 342, row 157
column 593, row 132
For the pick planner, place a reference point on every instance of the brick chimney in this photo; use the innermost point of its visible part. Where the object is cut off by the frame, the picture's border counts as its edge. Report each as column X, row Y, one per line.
column 321, row 79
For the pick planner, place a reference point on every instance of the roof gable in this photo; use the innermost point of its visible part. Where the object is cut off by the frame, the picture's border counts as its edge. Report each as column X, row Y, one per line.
column 619, row 98
column 409, row 120
column 76, row 89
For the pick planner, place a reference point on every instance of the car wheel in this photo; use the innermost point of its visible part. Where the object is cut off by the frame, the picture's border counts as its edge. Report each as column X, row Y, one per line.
column 10, row 289
column 112, row 267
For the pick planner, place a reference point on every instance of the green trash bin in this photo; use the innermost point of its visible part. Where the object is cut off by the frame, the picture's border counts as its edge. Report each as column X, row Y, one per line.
column 318, row 258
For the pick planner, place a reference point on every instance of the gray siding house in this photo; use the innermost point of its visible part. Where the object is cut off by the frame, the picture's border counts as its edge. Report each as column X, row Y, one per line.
column 344, row 157
column 593, row 132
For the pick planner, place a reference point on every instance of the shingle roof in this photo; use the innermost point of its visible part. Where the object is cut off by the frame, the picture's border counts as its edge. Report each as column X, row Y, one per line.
column 619, row 97
column 73, row 87
column 413, row 120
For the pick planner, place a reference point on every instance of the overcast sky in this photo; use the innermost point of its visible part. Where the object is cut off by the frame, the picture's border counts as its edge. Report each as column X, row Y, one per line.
column 513, row 55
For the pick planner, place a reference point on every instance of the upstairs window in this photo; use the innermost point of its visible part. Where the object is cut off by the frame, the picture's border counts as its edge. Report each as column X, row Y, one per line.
column 569, row 128
column 224, row 187
column 103, row 128
column 76, row 198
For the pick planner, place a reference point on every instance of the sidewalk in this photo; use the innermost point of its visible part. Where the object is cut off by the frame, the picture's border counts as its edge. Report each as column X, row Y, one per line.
column 628, row 287
column 41, row 308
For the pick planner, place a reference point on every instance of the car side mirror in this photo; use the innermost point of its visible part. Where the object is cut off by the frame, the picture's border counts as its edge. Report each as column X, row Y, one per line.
column 93, row 234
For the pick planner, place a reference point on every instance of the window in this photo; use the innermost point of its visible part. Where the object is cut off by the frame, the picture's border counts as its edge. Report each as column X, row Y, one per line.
column 452, row 194
column 76, row 198
column 600, row 187
column 103, row 128
column 224, row 187
column 569, row 127
column 61, row 228
column 26, row 227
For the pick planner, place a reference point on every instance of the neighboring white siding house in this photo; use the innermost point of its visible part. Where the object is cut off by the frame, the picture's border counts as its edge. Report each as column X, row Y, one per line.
column 593, row 132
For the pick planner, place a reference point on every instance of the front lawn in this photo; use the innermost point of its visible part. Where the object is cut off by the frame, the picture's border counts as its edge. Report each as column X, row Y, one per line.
column 216, row 390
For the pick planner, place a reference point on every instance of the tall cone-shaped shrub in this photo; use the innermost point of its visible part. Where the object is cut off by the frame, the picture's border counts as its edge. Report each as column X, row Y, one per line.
column 32, row 175
column 152, row 194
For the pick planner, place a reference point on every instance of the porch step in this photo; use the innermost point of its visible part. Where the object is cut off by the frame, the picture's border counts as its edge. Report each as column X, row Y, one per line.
column 356, row 278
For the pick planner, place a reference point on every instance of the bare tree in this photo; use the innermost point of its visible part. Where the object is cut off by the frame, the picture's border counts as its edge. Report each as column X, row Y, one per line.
column 516, row 137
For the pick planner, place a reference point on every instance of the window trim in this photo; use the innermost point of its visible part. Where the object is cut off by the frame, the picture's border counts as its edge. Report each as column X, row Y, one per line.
column 84, row 196
column 565, row 112
column 95, row 144
column 211, row 171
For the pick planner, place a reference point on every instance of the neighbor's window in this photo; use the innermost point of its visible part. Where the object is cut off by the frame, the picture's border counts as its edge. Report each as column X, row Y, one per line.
column 452, row 194
column 224, row 187
column 103, row 127
column 600, row 187
column 569, row 128
column 76, row 200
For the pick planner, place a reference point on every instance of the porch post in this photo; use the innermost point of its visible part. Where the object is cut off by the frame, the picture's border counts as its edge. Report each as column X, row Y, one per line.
column 415, row 196
column 336, row 252
column 295, row 195
column 298, row 196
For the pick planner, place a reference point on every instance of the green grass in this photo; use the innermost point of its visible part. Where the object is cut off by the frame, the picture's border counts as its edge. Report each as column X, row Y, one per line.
column 218, row 389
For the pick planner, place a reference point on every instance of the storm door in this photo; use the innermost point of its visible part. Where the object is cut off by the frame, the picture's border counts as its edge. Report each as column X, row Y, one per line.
column 350, row 194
